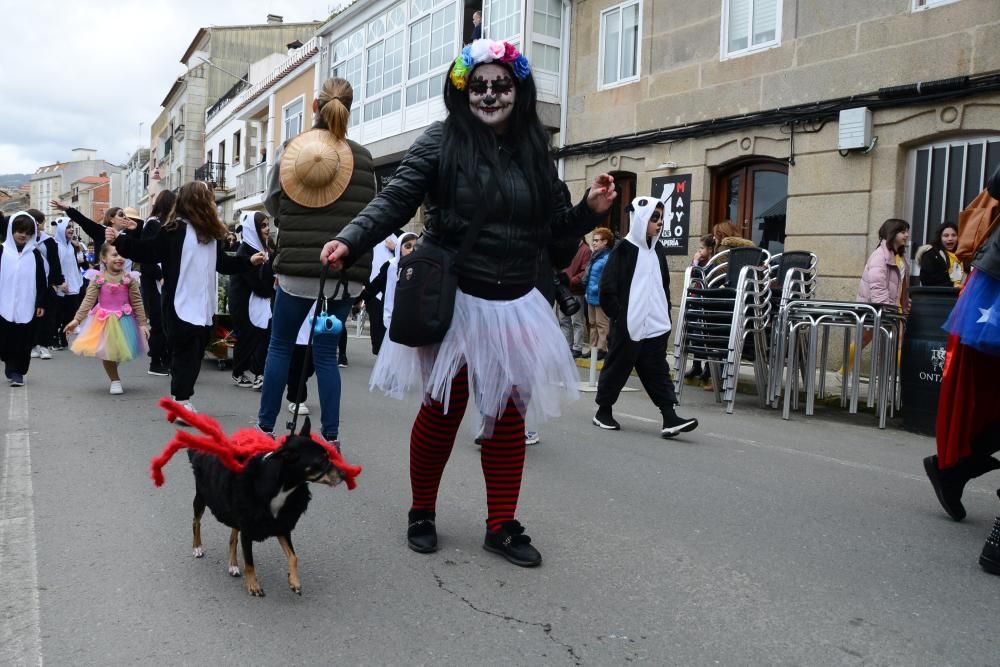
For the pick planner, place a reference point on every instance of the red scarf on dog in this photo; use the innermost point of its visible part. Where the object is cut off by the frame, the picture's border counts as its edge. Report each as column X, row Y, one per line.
column 233, row 452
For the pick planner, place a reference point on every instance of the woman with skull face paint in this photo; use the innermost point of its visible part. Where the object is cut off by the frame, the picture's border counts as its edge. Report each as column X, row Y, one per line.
column 488, row 160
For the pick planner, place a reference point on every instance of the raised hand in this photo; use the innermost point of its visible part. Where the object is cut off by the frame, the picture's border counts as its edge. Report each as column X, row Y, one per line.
column 602, row 194
column 58, row 205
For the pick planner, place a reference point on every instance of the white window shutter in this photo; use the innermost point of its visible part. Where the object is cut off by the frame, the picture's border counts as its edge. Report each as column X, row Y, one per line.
column 765, row 21
column 738, row 26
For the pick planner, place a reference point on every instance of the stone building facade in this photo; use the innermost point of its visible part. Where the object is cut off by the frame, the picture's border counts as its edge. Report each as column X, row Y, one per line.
column 739, row 101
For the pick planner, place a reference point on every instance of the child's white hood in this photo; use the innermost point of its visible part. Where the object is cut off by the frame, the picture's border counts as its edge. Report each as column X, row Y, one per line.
column 17, row 276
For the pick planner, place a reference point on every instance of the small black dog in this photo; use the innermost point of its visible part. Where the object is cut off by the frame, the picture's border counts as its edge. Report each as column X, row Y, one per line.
column 265, row 500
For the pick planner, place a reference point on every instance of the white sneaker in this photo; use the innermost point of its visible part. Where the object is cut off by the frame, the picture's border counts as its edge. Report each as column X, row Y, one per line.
column 116, row 386
column 43, row 353
column 35, row 352
column 303, row 408
column 187, row 406
column 531, row 438
column 258, row 383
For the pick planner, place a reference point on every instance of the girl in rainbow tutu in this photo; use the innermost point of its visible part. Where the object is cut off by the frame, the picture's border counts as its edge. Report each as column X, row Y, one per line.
column 114, row 322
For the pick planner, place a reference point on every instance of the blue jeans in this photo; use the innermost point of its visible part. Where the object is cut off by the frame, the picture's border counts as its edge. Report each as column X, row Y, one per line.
column 289, row 312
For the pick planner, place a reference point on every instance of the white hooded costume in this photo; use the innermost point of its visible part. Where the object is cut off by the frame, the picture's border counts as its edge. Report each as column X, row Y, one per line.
column 259, row 307
column 648, row 309
column 17, row 275
column 67, row 259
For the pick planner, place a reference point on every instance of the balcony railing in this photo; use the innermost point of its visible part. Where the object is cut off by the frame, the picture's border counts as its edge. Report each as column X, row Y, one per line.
column 213, row 173
column 252, row 182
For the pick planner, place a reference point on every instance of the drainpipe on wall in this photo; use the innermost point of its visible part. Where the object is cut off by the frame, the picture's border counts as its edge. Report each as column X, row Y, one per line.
column 271, row 122
column 564, row 81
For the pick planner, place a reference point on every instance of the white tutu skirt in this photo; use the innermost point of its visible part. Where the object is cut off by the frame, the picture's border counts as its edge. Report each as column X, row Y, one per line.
column 510, row 348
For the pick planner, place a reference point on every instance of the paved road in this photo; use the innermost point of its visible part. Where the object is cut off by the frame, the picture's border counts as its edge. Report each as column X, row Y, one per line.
column 753, row 541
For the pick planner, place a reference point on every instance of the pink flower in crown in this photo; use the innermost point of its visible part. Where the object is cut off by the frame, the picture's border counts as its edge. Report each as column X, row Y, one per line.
column 510, row 53
column 497, row 50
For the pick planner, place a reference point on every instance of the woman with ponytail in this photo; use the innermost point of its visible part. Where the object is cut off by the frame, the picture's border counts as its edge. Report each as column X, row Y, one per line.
column 320, row 181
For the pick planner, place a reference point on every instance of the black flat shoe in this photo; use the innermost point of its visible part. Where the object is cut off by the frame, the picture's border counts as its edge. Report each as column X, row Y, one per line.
column 511, row 543
column 948, row 493
column 421, row 535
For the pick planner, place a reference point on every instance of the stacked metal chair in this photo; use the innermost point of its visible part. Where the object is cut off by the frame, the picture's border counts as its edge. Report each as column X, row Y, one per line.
column 794, row 277
column 724, row 304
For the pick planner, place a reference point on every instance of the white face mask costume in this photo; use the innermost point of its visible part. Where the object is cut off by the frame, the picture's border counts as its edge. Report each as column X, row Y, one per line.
column 391, row 278
column 491, row 96
column 648, row 309
column 17, row 276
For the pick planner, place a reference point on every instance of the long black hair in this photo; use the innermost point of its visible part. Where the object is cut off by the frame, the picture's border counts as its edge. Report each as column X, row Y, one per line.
column 467, row 141
column 163, row 204
column 936, row 243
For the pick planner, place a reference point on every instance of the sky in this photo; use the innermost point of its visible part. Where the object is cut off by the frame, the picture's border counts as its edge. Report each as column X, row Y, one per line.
column 86, row 74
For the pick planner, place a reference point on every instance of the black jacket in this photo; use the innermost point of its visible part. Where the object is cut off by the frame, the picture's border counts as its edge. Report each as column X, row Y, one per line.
column 616, row 281
column 150, row 270
column 258, row 280
column 93, row 229
column 165, row 248
column 988, row 257
column 934, row 269
column 506, row 251
column 51, row 250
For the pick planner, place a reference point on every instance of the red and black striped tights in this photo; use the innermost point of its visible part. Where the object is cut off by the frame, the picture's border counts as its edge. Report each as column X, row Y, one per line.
column 433, row 437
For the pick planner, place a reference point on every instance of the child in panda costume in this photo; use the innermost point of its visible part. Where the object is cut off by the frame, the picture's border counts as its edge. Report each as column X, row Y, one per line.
column 635, row 295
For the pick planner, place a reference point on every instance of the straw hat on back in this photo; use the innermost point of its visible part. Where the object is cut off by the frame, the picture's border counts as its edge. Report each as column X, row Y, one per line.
column 316, row 168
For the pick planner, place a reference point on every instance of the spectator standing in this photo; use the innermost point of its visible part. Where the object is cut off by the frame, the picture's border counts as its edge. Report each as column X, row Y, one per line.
column 600, row 245
column 939, row 266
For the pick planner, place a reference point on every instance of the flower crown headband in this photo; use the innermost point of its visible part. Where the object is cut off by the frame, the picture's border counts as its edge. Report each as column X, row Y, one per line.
column 484, row 51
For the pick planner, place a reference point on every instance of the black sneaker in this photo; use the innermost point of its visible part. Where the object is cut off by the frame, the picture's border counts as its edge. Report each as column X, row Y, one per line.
column 989, row 559
column 674, row 424
column 158, row 369
column 342, row 363
column 511, row 543
column 605, row 420
column 421, row 535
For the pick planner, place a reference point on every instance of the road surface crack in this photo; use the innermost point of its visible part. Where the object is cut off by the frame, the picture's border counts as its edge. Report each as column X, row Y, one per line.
column 545, row 627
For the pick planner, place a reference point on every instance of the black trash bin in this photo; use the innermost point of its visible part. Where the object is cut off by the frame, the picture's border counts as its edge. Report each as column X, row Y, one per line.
column 922, row 364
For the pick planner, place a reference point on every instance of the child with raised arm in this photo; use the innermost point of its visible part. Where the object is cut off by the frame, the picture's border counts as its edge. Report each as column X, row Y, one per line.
column 114, row 322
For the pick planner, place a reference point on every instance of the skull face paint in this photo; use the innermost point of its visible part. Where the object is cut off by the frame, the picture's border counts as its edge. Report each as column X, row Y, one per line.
column 491, row 96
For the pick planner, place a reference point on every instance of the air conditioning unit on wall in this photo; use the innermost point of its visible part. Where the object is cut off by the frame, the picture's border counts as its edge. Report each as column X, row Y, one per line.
column 855, row 129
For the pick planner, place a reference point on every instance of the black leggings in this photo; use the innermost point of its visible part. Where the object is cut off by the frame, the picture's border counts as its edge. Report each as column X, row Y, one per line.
column 187, row 344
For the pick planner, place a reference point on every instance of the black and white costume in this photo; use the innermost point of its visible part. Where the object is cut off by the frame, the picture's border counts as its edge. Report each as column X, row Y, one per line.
column 189, row 293
column 635, row 295
column 250, row 297
column 66, row 301
column 22, row 292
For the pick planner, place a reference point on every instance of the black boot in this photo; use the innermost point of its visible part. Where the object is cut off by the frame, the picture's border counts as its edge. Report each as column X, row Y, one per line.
column 421, row 535
column 511, row 543
column 605, row 419
column 989, row 559
column 950, row 483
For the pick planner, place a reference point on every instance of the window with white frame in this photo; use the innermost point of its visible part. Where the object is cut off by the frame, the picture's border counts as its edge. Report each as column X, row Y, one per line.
column 942, row 178
column 619, row 46
column 750, row 25
column 919, row 5
column 292, row 114
column 545, row 45
column 348, row 63
column 237, row 145
column 502, row 20
column 432, row 48
column 385, row 62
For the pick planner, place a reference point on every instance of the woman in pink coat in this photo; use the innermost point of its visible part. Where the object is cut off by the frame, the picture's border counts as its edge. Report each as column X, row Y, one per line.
column 886, row 276
column 887, row 272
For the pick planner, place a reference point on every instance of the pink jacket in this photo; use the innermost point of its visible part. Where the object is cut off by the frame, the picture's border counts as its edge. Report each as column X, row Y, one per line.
column 882, row 282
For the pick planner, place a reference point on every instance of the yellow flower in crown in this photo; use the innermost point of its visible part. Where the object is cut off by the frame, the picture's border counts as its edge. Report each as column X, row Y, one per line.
column 484, row 51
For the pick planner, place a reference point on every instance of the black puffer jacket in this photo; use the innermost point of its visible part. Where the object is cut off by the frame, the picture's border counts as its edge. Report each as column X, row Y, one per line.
column 505, row 254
